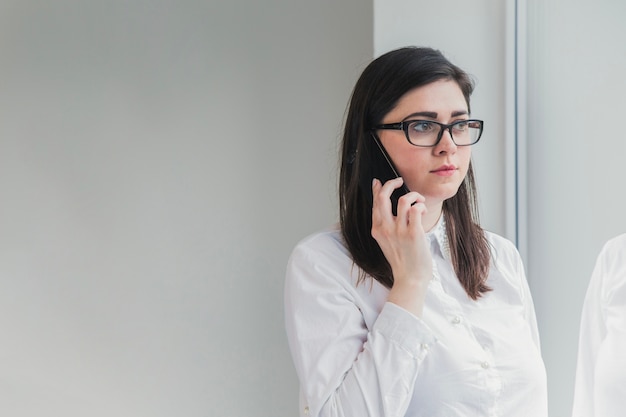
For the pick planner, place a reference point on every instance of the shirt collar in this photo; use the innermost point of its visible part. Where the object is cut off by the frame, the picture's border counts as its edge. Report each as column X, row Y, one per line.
column 438, row 238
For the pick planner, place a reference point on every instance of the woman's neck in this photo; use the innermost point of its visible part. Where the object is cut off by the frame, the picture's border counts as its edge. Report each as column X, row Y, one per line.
column 432, row 215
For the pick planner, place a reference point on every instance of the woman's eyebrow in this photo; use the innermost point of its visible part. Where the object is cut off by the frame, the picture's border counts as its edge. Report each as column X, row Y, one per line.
column 433, row 115
column 428, row 114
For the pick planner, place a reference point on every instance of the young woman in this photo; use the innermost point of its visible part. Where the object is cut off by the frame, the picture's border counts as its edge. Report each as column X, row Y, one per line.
column 601, row 371
column 410, row 308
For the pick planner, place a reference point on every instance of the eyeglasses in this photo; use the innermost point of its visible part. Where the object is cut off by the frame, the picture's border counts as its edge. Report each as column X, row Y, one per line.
column 428, row 133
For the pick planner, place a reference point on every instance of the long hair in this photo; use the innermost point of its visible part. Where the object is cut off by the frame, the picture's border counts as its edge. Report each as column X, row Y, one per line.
column 383, row 82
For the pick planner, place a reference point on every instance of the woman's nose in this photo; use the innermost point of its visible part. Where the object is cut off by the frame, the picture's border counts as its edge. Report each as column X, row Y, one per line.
column 446, row 143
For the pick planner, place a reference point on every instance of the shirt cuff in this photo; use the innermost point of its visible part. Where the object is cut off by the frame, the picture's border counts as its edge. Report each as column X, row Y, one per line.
column 404, row 329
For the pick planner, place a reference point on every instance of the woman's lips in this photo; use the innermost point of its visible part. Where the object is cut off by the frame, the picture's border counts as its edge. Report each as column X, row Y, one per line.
column 445, row 170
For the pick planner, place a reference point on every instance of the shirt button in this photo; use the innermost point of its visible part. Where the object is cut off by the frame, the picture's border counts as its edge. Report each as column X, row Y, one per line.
column 425, row 346
column 485, row 365
column 456, row 320
column 306, row 411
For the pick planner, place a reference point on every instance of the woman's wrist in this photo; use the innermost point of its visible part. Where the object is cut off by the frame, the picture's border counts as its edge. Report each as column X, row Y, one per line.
column 409, row 294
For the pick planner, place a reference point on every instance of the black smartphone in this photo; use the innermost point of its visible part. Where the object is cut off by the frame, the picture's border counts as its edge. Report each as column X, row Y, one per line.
column 382, row 167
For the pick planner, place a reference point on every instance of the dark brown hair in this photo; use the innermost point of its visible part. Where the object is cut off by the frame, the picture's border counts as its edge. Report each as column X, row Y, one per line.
column 383, row 82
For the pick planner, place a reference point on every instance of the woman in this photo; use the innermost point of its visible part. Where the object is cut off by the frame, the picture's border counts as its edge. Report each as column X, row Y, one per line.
column 601, row 372
column 421, row 313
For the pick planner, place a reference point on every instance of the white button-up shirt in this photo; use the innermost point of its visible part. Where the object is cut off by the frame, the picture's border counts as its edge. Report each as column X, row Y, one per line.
column 601, row 371
column 358, row 355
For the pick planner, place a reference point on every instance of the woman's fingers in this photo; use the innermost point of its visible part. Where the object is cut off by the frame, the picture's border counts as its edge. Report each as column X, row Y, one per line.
column 410, row 203
column 382, row 193
column 410, row 209
column 381, row 204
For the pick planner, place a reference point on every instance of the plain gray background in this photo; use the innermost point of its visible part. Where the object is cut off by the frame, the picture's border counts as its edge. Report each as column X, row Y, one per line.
column 159, row 159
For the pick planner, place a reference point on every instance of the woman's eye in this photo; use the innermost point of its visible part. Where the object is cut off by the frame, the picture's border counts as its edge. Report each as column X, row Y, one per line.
column 422, row 127
column 461, row 126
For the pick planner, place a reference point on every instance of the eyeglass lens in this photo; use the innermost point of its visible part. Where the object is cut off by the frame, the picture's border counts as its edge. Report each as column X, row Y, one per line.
column 428, row 133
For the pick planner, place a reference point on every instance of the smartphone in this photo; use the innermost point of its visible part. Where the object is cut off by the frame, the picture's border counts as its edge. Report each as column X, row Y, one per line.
column 382, row 167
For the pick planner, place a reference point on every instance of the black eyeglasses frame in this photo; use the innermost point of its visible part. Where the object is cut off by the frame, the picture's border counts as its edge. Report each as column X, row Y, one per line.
column 404, row 126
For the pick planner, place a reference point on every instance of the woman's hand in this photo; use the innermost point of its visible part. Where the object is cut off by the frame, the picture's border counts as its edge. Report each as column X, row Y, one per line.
column 403, row 242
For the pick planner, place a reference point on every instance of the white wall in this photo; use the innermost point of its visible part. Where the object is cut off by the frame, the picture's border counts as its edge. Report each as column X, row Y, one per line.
column 576, row 148
column 158, row 161
column 471, row 35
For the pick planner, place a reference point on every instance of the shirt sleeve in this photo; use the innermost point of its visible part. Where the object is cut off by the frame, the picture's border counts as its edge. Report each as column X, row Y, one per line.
column 346, row 369
column 592, row 333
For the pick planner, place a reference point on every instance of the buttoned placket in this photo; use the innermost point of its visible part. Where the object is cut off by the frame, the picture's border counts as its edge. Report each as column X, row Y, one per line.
column 485, row 363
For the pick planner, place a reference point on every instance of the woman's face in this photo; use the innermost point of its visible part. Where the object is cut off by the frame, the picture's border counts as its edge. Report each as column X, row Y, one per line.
column 435, row 172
